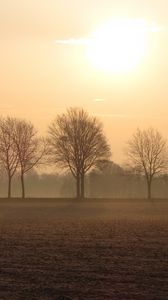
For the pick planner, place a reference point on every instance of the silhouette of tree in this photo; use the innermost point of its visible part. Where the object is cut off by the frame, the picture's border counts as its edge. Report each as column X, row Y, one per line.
column 8, row 154
column 30, row 148
column 147, row 154
column 77, row 143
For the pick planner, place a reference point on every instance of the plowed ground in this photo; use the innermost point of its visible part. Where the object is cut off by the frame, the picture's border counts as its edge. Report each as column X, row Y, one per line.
column 65, row 249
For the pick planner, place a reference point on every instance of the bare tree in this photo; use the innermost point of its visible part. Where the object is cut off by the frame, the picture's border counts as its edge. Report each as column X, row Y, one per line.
column 147, row 154
column 77, row 143
column 30, row 148
column 8, row 153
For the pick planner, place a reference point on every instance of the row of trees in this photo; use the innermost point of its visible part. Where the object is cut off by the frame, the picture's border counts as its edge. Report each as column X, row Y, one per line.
column 76, row 142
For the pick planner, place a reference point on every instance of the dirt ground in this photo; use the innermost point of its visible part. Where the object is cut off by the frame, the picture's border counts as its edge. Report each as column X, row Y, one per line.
column 83, row 250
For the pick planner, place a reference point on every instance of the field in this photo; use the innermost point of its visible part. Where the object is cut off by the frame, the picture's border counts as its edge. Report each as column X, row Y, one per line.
column 83, row 250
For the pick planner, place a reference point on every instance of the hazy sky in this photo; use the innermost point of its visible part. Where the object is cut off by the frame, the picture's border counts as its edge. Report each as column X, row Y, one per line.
column 40, row 77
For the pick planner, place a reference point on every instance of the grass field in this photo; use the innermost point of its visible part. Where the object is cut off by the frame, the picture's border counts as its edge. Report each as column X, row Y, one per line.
column 90, row 249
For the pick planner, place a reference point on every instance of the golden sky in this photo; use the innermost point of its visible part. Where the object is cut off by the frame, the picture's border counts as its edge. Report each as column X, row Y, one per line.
column 44, row 67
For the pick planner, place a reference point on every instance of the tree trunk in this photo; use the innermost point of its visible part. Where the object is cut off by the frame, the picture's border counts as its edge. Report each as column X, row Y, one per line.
column 22, row 185
column 78, row 187
column 9, row 187
column 149, row 184
column 82, row 186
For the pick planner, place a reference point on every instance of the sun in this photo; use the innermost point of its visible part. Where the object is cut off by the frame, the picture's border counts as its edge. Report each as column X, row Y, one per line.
column 118, row 46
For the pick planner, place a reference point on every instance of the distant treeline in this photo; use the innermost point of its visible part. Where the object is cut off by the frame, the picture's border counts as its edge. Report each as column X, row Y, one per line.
column 114, row 183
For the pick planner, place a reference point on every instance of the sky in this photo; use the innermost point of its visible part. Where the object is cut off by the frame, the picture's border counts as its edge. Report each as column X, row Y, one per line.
column 45, row 67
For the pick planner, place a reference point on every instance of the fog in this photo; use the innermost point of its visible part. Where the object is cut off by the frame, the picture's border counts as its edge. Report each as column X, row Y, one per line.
column 112, row 182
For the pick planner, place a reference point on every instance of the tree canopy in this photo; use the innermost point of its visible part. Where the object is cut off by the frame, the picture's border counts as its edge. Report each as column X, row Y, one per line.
column 77, row 143
column 147, row 154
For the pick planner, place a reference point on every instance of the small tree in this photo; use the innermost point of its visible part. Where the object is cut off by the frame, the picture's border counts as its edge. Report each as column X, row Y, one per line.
column 77, row 143
column 147, row 154
column 8, row 154
column 30, row 149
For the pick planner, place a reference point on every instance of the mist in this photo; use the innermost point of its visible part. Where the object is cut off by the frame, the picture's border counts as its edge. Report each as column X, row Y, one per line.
column 115, row 183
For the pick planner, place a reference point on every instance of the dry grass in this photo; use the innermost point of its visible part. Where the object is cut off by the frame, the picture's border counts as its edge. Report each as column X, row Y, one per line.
column 61, row 249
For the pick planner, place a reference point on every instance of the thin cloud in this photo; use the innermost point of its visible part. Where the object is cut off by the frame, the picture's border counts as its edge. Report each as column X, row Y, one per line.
column 73, row 41
column 85, row 41
column 126, row 116
column 99, row 100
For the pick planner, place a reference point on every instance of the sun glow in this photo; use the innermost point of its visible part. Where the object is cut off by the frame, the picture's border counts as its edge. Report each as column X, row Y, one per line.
column 119, row 45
